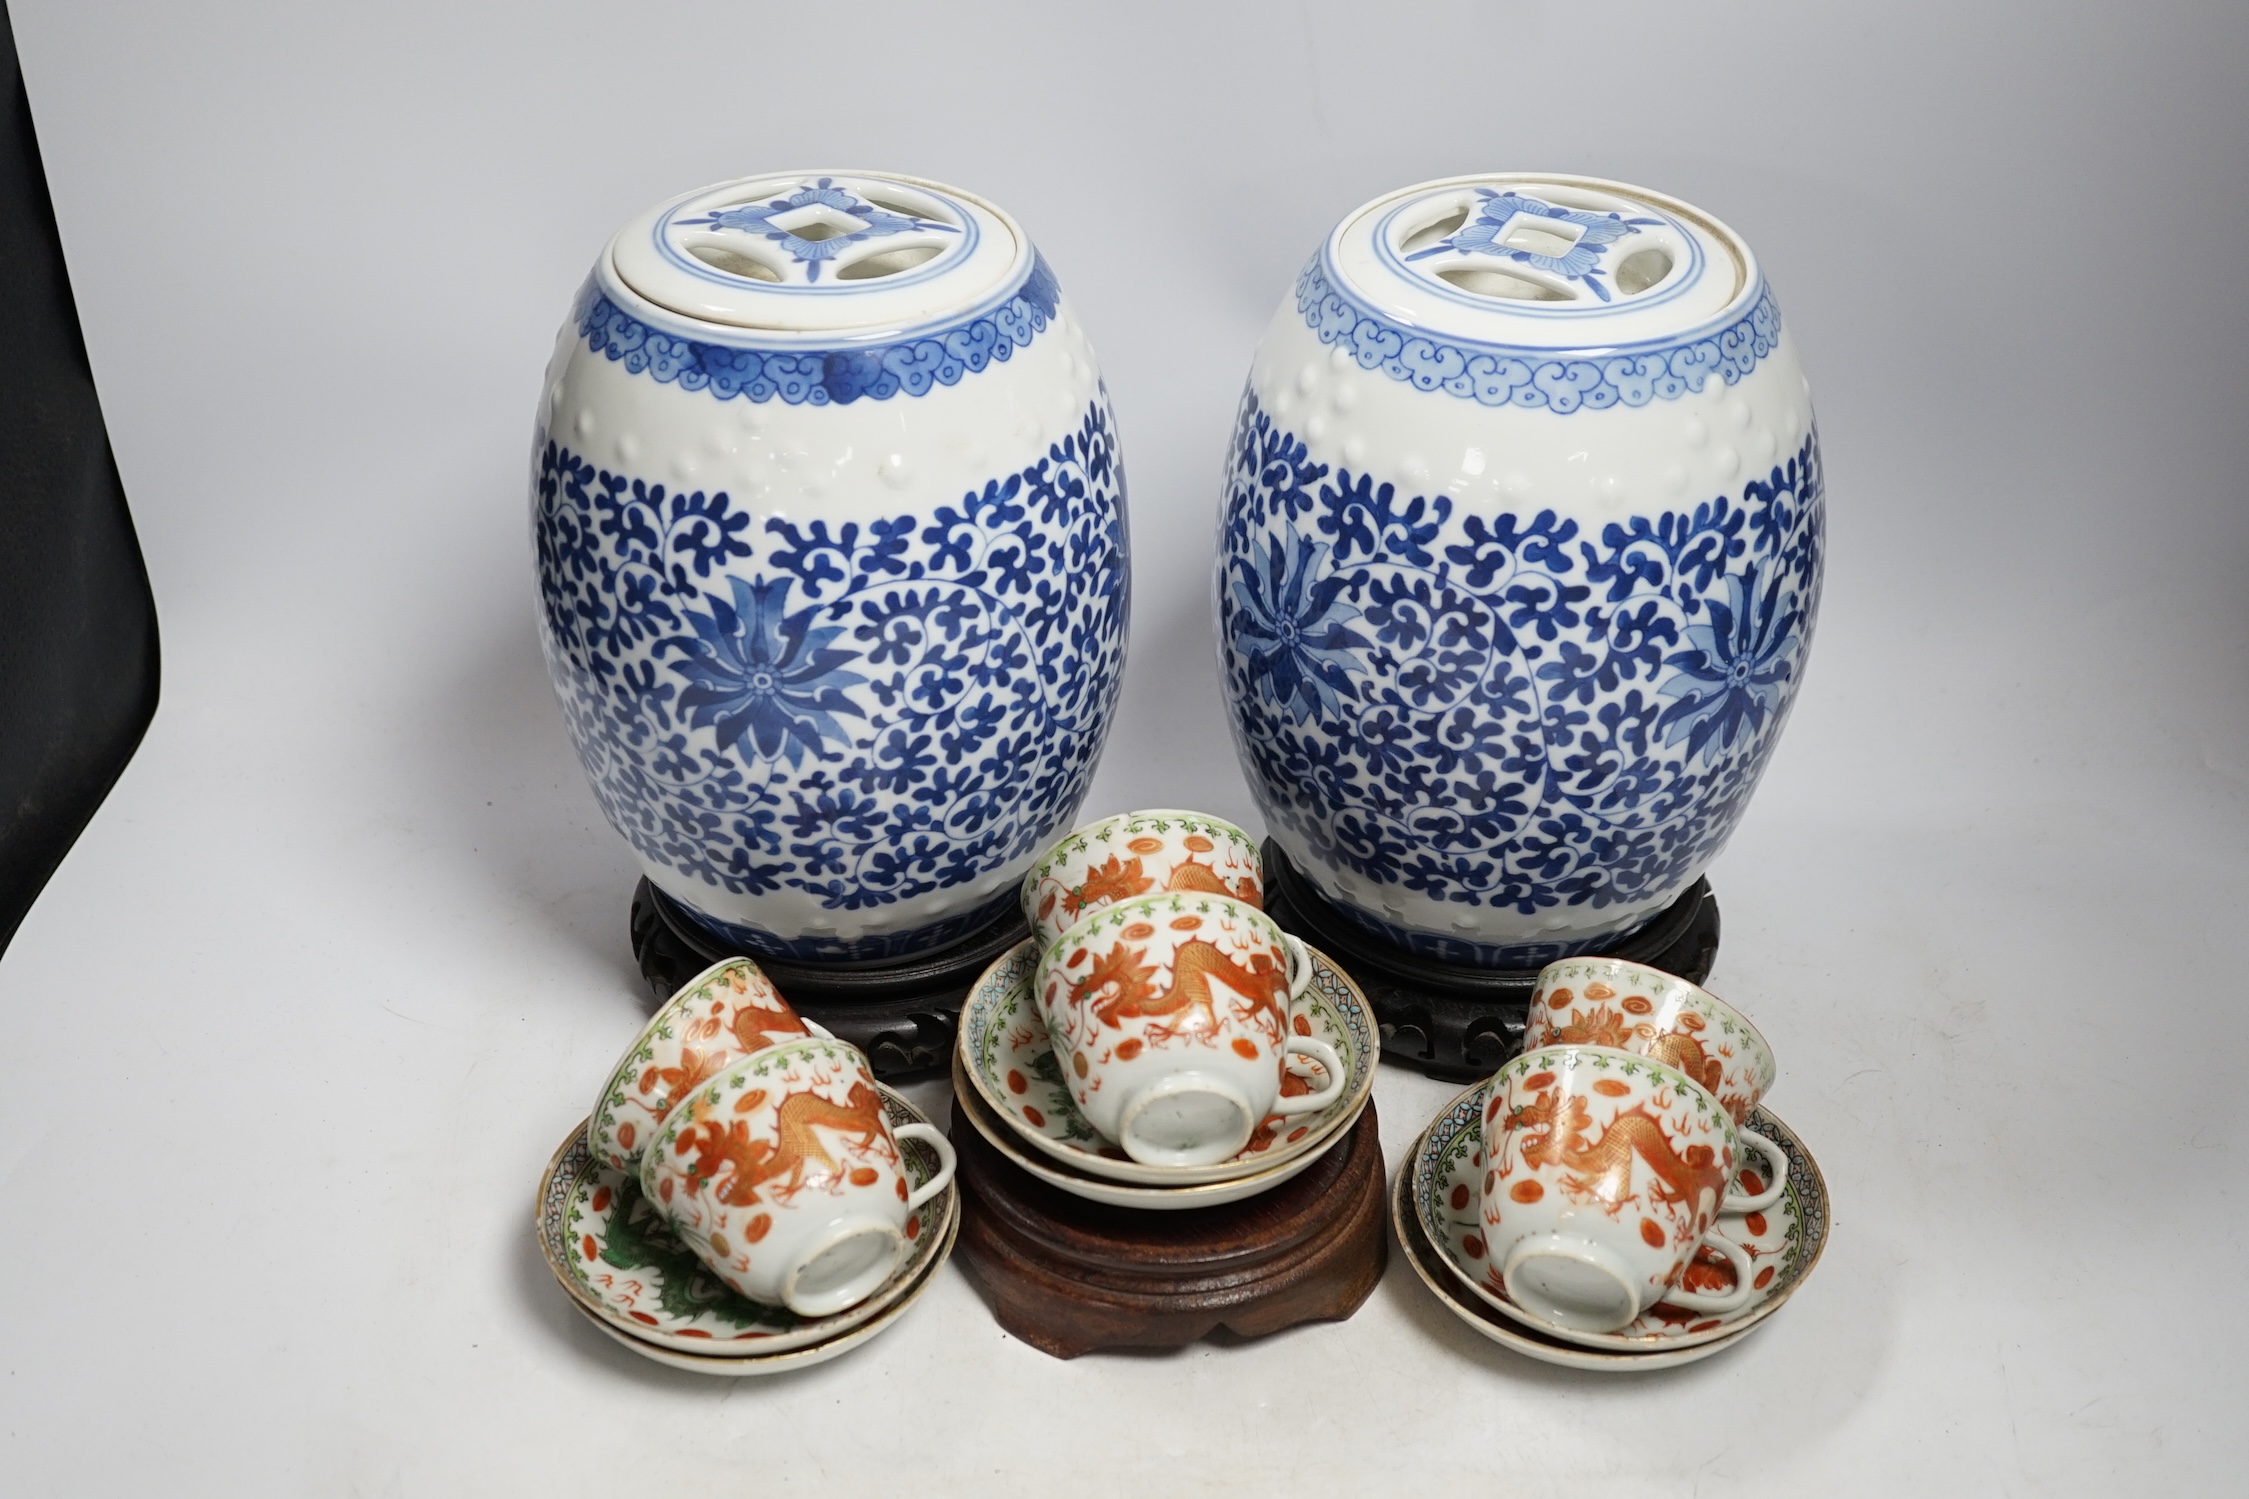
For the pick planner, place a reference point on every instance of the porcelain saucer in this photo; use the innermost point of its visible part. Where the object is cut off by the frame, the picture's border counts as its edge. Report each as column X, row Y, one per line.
column 751, row 1366
column 1784, row 1242
column 970, row 1106
column 1430, row 1264
column 1008, row 1060
column 614, row 1254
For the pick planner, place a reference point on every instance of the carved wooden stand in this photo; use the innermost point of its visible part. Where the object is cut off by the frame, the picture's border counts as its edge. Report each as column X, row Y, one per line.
column 902, row 1012
column 1070, row 1276
column 1451, row 1020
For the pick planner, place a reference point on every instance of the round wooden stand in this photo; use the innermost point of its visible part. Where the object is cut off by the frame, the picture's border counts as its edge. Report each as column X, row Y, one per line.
column 902, row 1012
column 1454, row 1020
column 1070, row 1276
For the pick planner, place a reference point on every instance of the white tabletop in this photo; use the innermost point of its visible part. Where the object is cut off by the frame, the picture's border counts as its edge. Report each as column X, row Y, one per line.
column 286, row 1042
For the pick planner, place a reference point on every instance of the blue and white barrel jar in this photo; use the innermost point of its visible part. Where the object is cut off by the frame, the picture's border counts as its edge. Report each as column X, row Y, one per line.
column 1519, row 560
column 831, row 539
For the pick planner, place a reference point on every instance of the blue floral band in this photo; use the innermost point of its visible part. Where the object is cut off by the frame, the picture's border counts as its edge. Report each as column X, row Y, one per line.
column 817, row 377
column 863, row 712
column 1508, row 712
column 1494, row 376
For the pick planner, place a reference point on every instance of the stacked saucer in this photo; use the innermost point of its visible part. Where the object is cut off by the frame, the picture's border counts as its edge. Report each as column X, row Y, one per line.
column 1433, row 1209
column 629, row 1275
column 746, row 1198
column 1632, row 1126
column 1008, row 1085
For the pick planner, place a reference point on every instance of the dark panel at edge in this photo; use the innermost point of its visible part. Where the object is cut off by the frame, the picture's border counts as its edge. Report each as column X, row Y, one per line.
column 78, row 648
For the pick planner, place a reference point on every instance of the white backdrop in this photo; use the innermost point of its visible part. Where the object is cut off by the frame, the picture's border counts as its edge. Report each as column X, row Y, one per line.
column 286, row 1042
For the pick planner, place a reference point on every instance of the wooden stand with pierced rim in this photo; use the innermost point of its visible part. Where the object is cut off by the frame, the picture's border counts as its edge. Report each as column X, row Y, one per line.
column 902, row 1012
column 1069, row 1276
column 1453, row 1020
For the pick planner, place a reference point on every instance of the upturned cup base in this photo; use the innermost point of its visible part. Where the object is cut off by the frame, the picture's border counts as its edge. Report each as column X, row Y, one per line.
column 902, row 1012
column 1571, row 1282
column 843, row 1271
column 1454, row 1020
column 1188, row 1119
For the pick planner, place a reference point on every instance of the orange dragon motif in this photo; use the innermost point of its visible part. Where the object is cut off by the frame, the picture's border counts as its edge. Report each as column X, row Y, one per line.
column 698, row 1063
column 696, row 1067
column 1194, row 964
column 1601, row 1027
column 750, row 1023
column 1113, row 881
column 1204, row 880
column 1686, row 1054
column 753, row 1023
column 1603, row 1168
column 1605, row 1027
column 741, row 1167
column 1123, row 976
column 1541, row 1120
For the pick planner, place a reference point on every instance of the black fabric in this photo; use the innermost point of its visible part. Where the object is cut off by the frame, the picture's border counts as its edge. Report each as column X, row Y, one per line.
column 77, row 621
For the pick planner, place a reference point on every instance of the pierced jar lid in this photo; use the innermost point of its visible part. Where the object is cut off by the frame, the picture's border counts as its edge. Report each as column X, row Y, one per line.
column 1524, row 261
column 821, row 253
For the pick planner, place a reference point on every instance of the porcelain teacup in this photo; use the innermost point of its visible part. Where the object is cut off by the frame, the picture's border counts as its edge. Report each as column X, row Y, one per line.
column 1169, row 1016
column 783, row 1175
column 1603, row 1174
column 727, row 1011
column 1139, row 853
column 1610, row 1002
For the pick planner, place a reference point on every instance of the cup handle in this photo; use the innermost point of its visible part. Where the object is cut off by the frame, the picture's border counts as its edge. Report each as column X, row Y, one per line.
column 1299, row 966
column 1776, row 1167
column 1731, row 1301
column 1324, row 1054
column 946, row 1161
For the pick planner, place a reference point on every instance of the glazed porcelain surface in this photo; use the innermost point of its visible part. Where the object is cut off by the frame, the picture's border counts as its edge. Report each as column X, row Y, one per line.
column 617, row 1256
column 1009, row 1058
column 1435, row 1271
column 831, row 542
column 1520, row 553
column 725, row 1012
column 836, row 1344
column 784, row 1175
column 968, row 1104
column 1171, row 1016
column 1443, row 1178
column 1603, row 1176
column 1609, row 1002
column 1138, row 853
